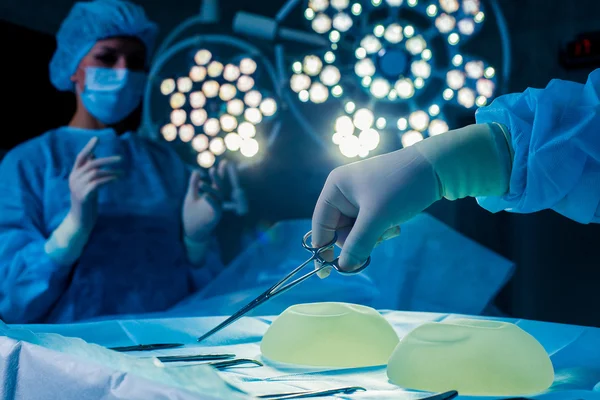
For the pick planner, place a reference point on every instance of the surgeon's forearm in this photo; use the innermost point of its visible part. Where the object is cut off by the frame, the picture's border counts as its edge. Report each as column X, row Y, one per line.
column 67, row 242
column 472, row 161
column 196, row 250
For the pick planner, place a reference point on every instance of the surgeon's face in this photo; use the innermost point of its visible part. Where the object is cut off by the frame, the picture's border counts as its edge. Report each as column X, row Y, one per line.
column 118, row 52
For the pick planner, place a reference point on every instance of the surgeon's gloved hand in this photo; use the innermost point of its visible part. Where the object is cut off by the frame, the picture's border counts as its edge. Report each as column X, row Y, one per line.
column 88, row 174
column 364, row 202
column 202, row 211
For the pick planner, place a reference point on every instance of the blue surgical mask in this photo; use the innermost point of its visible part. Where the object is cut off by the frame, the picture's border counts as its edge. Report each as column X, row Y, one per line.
column 111, row 94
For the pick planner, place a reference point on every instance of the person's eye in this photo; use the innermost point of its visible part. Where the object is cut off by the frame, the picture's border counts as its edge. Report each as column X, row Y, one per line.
column 107, row 59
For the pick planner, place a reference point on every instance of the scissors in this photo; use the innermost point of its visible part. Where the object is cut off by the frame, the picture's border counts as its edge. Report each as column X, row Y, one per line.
column 284, row 285
column 147, row 347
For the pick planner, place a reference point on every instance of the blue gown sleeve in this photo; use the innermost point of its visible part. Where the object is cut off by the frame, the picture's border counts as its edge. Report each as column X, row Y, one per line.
column 554, row 134
column 30, row 282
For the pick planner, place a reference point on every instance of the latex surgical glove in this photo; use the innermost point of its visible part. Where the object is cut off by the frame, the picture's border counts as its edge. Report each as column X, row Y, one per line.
column 202, row 211
column 365, row 201
column 88, row 174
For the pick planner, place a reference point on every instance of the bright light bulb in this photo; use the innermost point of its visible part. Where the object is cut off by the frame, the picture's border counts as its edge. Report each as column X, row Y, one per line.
column 246, row 130
column 419, row 83
column 245, row 83
column 186, row 133
column 178, row 117
column 410, row 138
column 371, row 44
column 466, row 97
column 364, row 67
column 449, row 6
column 235, row 107
column 380, row 88
column 227, row 92
column 418, row 120
column 202, row 57
column 169, row 132
column 453, row 38
column 380, row 123
column 434, row 110
column 184, row 84
column 412, row 3
column 228, row 122
column 200, row 143
column 379, row 30
column 318, row 93
column 318, row 5
column 299, row 82
column 350, row 107
column 321, row 24
column 253, row 98
column 466, row 26
column 445, row 23
column 197, row 73
column 303, row 96
column 393, row 94
column 344, row 125
column 350, row 146
column 356, row 9
column 340, row 4
column 334, row 36
column 337, row 91
column 268, row 107
column 437, row 127
column 363, row 152
column 167, row 86
column 479, row 17
column 369, row 139
column 329, row 57
column 448, row 94
column 360, row 53
column 490, row 72
column 330, row 75
column 455, row 79
column 485, row 87
column 214, row 69
column 247, row 66
column 376, row 3
column 416, row 45
column 421, row 69
column 338, row 138
column 231, row 72
column 309, row 14
column 198, row 117
column 426, row 54
column 210, row 89
column 342, row 22
column 394, row 3
column 233, row 141
column 217, row 146
column 405, row 88
column 363, row 119
column 177, row 100
column 312, row 65
column 470, row 6
column 249, row 148
column 253, row 115
column 409, row 31
column 431, row 10
column 481, row 101
column 212, row 127
column 402, row 124
column 206, row 159
column 366, row 81
column 297, row 67
column 474, row 69
column 393, row 33
column 457, row 60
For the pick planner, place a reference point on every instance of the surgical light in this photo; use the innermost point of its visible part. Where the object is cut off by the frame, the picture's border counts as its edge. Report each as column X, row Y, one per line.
column 318, row 5
column 253, row 115
column 448, row 94
column 453, row 38
column 303, row 96
column 457, row 60
column 485, row 87
column 334, row 36
column 217, row 146
column 344, row 125
column 380, row 88
column 268, row 107
column 330, row 75
column 371, row 44
column 235, row 107
column 340, row 4
column 445, row 23
column 184, row 84
column 402, row 124
column 231, row 73
column 416, row 45
column 337, row 91
column 200, row 143
column 210, row 89
column 321, row 23
column 245, row 83
column 449, row 6
column 202, row 57
column 434, row 110
column 481, row 101
column 350, row 146
column 227, row 92
column 198, row 117
column 364, row 67
column 214, row 69
column 360, row 53
column 479, row 17
column 246, row 130
column 312, row 65
column 466, row 97
column 212, row 127
column 470, row 6
column 437, row 127
column 356, row 9
column 421, row 69
column 329, row 57
column 490, row 72
column 228, row 122
column 418, row 120
column 380, row 123
column 379, row 30
column 247, row 66
column 197, row 73
column 419, row 83
column 253, row 98
column 300, row 82
column 394, row 3
column 178, row 117
column 393, row 33
column 369, row 139
column 363, row 119
column 186, row 132
column 455, row 79
column 177, row 100
column 431, row 10
column 167, row 86
column 206, row 159
column 233, row 141
column 169, row 132
column 426, row 54
column 404, row 88
column 350, row 107
column 342, row 22
column 410, row 138
column 409, row 31
column 466, row 26
column 474, row 69
column 249, row 147
column 318, row 93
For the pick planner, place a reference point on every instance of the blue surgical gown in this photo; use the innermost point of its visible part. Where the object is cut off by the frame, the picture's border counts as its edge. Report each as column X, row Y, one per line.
column 555, row 134
column 134, row 261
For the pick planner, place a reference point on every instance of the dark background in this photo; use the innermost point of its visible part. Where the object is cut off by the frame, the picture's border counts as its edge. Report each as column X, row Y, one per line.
column 558, row 260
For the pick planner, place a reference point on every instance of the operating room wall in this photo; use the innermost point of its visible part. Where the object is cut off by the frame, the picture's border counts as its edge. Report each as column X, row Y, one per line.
column 558, row 262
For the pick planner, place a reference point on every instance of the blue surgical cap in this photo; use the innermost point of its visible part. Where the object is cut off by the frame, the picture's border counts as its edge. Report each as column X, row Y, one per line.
column 89, row 22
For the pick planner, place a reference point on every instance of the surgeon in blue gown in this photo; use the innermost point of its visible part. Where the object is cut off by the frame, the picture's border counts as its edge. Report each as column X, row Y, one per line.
column 95, row 220
column 528, row 151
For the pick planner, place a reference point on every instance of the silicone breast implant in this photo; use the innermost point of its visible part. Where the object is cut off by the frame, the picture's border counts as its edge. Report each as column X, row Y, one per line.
column 330, row 335
column 474, row 357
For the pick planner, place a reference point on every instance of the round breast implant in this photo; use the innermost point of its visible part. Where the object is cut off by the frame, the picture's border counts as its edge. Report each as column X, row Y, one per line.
column 330, row 335
column 474, row 357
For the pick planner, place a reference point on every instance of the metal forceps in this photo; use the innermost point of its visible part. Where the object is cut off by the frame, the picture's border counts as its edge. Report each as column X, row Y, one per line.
column 284, row 285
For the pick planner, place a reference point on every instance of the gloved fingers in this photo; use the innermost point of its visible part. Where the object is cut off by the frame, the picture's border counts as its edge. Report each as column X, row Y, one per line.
column 95, row 174
column 94, row 185
column 360, row 242
column 95, row 163
column 389, row 234
column 193, row 185
column 85, row 153
column 210, row 191
column 216, row 176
